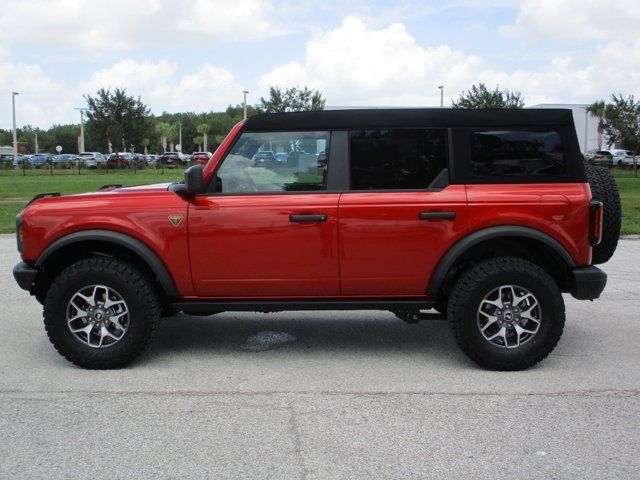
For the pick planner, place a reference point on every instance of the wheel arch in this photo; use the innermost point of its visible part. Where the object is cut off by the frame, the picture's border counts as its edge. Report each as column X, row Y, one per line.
column 79, row 244
column 489, row 238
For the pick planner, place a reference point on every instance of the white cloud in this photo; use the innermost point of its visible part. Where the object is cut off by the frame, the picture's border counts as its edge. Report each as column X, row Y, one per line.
column 576, row 20
column 103, row 26
column 231, row 19
column 42, row 101
column 355, row 64
column 162, row 87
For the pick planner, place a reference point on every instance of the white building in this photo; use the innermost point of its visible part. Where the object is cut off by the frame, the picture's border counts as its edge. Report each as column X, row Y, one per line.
column 586, row 124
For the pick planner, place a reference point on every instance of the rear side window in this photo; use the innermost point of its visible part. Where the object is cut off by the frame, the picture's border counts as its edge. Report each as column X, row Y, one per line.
column 517, row 154
column 396, row 159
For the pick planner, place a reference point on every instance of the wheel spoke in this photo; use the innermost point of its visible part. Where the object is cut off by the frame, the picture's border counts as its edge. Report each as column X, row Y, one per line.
column 500, row 333
column 510, row 293
column 104, row 331
column 98, row 316
column 504, row 314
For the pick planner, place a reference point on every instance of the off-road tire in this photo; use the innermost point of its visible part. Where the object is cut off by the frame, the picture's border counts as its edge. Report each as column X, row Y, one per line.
column 604, row 188
column 135, row 288
column 478, row 281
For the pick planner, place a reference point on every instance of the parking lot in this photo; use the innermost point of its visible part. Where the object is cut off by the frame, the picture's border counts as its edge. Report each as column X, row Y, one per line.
column 345, row 395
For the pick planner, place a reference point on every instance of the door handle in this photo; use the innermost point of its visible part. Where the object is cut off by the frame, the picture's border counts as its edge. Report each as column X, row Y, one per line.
column 307, row 218
column 437, row 215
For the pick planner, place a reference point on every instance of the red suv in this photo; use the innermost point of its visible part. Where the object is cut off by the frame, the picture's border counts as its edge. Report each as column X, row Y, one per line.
column 482, row 217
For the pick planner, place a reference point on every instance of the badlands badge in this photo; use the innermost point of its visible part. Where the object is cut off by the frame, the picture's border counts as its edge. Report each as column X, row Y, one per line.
column 175, row 219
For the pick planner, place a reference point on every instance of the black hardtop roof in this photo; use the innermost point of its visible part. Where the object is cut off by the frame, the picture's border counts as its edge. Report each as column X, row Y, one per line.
column 408, row 117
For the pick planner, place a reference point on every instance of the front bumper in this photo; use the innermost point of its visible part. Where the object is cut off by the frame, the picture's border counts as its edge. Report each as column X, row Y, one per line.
column 588, row 282
column 25, row 275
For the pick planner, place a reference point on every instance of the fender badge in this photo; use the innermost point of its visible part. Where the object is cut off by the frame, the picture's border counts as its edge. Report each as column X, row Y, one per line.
column 175, row 219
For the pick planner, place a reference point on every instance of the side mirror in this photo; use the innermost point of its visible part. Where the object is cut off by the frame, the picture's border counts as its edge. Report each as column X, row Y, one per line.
column 194, row 180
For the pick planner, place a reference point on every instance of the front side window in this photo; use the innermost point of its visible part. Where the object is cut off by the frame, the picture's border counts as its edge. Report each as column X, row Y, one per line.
column 517, row 154
column 396, row 159
column 273, row 162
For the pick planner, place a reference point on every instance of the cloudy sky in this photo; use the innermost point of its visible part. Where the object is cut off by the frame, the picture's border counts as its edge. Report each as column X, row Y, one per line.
column 198, row 55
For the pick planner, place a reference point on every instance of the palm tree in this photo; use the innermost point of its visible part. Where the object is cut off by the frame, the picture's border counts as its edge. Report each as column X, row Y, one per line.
column 203, row 129
column 597, row 109
column 167, row 133
column 145, row 144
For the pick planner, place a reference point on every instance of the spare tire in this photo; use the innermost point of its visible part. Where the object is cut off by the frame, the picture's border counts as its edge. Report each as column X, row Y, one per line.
column 604, row 188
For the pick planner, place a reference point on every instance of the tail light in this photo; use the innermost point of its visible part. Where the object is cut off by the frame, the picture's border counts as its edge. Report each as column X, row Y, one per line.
column 596, row 210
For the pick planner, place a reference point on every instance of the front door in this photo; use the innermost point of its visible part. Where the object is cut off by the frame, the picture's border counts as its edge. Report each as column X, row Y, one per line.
column 268, row 228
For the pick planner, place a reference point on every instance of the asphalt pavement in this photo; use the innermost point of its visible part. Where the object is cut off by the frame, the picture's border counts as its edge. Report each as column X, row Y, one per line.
column 324, row 395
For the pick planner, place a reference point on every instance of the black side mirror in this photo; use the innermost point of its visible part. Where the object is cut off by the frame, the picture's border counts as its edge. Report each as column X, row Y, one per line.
column 194, row 180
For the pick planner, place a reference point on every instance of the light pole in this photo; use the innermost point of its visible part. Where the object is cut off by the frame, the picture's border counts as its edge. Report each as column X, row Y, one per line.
column 180, row 135
column 441, row 87
column 244, row 103
column 15, row 133
column 36, row 134
column 82, row 110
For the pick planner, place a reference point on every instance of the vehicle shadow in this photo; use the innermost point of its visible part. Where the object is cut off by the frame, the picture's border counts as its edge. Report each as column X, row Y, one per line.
column 363, row 332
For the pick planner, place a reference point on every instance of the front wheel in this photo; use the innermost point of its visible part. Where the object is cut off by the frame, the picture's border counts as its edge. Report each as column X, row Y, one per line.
column 506, row 313
column 101, row 313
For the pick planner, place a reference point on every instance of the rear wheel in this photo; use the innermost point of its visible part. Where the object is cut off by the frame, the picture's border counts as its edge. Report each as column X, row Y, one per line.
column 101, row 313
column 506, row 313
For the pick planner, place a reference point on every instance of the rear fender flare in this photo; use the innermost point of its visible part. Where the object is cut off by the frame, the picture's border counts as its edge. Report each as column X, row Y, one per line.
column 475, row 238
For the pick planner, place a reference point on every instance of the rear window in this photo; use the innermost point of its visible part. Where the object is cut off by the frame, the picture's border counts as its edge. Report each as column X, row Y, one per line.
column 517, row 154
column 396, row 159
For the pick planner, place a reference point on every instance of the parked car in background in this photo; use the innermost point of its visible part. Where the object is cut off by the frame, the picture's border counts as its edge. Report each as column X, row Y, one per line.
column 151, row 160
column 265, row 158
column 172, row 159
column 92, row 159
column 66, row 160
column 200, row 157
column 622, row 158
column 119, row 160
column 281, row 158
column 7, row 160
column 589, row 156
column 602, row 157
column 41, row 160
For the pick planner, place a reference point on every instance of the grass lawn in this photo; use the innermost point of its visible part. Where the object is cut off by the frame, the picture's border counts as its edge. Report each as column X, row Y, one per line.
column 16, row 190
column 629, row 187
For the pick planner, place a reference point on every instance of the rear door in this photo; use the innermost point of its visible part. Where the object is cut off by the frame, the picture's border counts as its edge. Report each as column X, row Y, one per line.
column 267, row 230
column 400, row 215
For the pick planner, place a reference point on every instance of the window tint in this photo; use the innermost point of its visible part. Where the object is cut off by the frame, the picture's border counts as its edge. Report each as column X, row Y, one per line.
column 402, row 159
column 517, row 153
column 274, row 162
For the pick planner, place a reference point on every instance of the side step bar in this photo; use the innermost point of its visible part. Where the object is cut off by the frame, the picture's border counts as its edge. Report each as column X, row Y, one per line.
column 200, row 307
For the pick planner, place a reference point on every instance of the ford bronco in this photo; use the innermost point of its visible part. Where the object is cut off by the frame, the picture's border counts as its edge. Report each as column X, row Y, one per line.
column 481, row 217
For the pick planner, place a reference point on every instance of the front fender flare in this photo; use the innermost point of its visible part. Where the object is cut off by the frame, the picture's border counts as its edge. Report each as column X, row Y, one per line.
column 145, row 253
column 463, row 245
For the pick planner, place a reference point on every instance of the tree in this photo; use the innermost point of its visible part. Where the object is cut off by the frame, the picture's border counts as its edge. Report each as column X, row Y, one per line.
column 117, row 118
column 622, row 123
column 145, row 143
column 165, row 131
column 203, row 129
column 481, row 97
column 293, row 99
column 597, row 109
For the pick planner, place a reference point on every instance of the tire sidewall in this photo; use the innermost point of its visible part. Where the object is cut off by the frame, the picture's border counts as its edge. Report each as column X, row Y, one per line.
column 536, row 348
column 60, row 294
